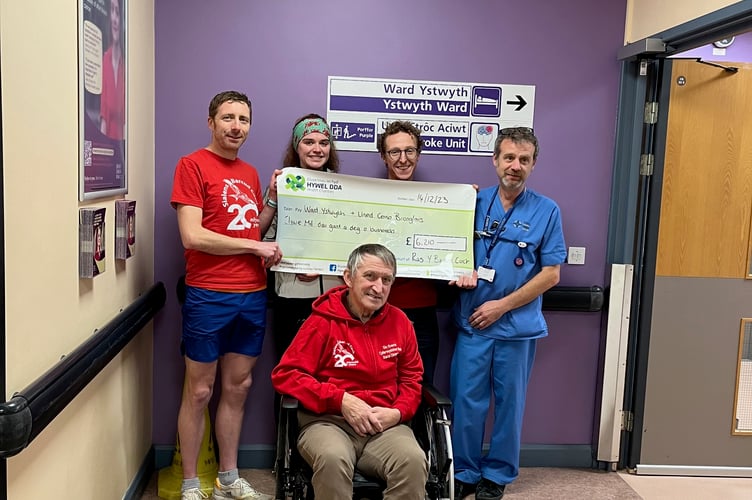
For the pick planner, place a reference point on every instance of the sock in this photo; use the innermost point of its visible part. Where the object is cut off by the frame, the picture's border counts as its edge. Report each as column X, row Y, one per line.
column 228, row 477
column 190, row 483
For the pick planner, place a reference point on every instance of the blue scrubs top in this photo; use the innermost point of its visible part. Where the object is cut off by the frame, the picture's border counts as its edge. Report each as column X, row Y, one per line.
column 530, row 238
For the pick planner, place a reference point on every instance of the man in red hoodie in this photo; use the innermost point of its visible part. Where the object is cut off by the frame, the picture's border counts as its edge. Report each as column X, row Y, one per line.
column 355, row 368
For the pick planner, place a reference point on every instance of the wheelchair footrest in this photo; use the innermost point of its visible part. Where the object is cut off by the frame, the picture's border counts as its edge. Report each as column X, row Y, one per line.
column 363, row 483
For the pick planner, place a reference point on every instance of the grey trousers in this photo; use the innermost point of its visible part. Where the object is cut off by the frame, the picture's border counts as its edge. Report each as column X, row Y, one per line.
column 333, row 450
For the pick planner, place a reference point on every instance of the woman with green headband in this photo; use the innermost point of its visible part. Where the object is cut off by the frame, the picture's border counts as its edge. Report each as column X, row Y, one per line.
column 310, row 147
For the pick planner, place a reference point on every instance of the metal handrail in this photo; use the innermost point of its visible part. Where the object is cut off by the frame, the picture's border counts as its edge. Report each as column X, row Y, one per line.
column 29, row 411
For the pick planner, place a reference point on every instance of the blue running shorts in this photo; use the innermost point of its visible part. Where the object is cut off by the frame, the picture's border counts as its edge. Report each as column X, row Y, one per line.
column 215, row 323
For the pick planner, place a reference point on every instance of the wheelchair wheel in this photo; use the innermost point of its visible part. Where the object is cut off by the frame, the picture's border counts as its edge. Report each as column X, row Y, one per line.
column 442, row 455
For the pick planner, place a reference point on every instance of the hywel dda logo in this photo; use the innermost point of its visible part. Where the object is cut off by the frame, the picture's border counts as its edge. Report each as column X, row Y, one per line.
column 295, row 182
column 300, row 183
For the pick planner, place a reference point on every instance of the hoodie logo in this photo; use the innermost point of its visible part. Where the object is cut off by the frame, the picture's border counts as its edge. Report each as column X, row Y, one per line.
column 344, row 355
column 390, row 351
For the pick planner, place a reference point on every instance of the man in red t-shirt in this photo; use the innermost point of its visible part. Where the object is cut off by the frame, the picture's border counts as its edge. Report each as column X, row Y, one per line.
column 400, row 145
column 221, row 218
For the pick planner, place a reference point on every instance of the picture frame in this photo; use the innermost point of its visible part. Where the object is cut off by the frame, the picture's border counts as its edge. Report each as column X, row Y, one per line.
column 103, row 98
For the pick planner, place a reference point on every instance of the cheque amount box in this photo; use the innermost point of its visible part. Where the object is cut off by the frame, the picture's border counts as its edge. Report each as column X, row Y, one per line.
column 435, row 242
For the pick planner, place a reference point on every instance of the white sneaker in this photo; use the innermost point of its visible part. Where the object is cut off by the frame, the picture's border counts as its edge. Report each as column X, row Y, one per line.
column 240, row 489
column 193, row 494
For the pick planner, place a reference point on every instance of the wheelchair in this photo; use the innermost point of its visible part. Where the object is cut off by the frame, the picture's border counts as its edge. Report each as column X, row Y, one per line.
column 430, row 426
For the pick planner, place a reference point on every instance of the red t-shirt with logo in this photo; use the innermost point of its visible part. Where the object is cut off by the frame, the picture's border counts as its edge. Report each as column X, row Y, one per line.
column 229, row 194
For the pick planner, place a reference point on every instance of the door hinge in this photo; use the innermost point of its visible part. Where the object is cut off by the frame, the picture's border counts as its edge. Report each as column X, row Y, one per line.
column 643, row 67
column 627, row 421
column 651, row 113
column 647, row 162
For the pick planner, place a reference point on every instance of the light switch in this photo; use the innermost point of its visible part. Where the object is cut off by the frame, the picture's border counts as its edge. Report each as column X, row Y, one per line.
column 576, row 255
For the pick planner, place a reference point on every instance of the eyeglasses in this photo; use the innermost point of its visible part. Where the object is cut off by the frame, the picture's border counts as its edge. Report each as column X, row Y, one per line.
column 516, row 130
column 410, row 153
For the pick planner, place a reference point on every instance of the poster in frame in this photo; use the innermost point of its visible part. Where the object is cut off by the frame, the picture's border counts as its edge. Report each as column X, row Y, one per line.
column 102, row 87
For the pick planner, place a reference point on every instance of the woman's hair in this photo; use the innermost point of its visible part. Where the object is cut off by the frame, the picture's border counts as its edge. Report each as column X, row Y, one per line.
column 292, row 159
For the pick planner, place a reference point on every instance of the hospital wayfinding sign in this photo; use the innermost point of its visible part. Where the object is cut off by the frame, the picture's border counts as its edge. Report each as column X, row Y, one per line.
column 454, row 118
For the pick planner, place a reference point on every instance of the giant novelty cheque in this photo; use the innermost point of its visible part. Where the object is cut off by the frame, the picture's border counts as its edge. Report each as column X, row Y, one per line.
column 323, row 216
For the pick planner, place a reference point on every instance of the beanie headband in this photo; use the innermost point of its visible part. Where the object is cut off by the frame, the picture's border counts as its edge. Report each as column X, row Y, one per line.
column 308, row 126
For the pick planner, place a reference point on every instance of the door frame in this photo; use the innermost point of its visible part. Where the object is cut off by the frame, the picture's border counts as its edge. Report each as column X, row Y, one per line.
column 635, row 199
column 3, row 364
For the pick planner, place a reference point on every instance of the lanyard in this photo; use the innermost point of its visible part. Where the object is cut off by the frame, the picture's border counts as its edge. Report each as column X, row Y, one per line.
column 502, row 224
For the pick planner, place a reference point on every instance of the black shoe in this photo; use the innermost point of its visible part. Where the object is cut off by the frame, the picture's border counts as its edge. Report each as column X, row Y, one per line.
column 488, row 490
column 462, row 489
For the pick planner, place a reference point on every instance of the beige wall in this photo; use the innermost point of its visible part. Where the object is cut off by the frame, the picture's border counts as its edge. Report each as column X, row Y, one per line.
column 95, row 447
column 648, row 17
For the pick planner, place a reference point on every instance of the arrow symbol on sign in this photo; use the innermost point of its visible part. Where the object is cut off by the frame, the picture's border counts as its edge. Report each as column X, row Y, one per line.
column 520, row 102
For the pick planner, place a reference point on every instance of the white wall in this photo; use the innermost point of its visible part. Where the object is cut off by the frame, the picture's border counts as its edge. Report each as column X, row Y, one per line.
column 648, row 17
column 95, row 447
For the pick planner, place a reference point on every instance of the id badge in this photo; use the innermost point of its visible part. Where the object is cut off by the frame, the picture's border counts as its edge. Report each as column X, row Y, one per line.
column 486, row 273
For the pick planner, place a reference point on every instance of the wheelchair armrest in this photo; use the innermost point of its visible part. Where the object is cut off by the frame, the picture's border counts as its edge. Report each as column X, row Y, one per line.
column 433, row 398
column 287, row 425
column 289, row 402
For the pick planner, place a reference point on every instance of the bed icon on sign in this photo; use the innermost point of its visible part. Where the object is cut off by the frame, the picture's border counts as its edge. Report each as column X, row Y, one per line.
column 486, row 101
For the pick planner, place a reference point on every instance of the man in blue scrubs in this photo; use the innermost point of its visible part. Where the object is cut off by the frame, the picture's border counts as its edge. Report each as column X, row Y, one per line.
column 519, row 247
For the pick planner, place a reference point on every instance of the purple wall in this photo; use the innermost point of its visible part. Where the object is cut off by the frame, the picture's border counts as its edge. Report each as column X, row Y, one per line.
column 739, row 51
column 281, row 53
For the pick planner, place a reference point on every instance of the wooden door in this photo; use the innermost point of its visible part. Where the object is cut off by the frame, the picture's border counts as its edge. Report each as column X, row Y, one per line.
column 707, row 181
